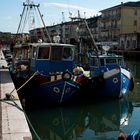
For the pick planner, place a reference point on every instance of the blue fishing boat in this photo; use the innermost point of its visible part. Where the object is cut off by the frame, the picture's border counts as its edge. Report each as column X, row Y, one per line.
column 54, row 64
column 47, row 71
column 42, row 69
column 107, row 76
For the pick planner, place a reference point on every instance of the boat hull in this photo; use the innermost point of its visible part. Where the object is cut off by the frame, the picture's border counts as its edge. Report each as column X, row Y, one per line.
column 40, row 90
column 114, row 83
column 59, row 91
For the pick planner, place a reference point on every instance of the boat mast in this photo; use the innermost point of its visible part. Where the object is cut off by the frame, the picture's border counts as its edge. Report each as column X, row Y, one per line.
column 93, row 41
column 43, row 23
column 28, row 7
column 94, row 47
column 63, row 28
column 19, row 26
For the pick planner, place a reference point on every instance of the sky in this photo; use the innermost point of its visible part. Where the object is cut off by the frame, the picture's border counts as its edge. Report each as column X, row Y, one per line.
column 10, row 11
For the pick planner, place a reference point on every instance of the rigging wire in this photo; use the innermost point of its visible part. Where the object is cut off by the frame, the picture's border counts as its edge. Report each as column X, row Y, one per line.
column 42, row 32
column 28, row 8
column 36, row 35
column 21, row 20
column 25, row 20
column 44, row 24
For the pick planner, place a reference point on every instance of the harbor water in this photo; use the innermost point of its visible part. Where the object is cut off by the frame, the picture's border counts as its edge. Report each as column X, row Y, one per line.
column 102, row 120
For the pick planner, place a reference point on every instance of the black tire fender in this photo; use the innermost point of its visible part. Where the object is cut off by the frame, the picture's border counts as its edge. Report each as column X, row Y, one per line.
column 66, row 76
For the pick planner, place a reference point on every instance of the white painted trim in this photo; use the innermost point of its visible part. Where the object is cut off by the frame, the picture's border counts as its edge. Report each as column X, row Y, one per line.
column 126, row 73
column 111, row 73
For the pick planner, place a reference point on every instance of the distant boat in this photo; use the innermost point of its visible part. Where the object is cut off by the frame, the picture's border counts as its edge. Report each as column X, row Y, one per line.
column 107, row 77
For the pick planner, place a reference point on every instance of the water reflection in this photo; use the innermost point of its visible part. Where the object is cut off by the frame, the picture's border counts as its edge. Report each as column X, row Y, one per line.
column 134, row 96
column 99, row 121
column 135, row 68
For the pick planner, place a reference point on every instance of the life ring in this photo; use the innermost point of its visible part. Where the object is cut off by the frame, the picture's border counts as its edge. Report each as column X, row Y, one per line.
column 66, row 75
column 115, row 80
column 56, row 90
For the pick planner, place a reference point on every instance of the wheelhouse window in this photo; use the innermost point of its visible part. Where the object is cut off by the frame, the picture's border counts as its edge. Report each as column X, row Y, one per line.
column 102, row 62
column 120, row 61
column 67, row 53
column 94, row 62
column 34, row 52
column 43, row 52
column 110, row 61
column 18, row 53
column 56, row 53
column 26, row 53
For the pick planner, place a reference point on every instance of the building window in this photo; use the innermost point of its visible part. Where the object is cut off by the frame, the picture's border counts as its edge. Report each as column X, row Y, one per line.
column 122, row 44
column 134, row 43
column 128, row 44
column 135, row 22
column 135, row 12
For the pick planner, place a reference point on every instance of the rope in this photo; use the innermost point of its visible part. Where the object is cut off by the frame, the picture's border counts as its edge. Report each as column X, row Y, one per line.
column 41, row 29
column 24, row 22
column 8, row 95
column 44, row 25
column 28, row 120
column 27, row 81
column 12, row 98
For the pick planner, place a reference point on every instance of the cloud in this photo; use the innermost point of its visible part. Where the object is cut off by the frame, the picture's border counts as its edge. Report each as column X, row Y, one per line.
column 8, row 18
column 88, row 12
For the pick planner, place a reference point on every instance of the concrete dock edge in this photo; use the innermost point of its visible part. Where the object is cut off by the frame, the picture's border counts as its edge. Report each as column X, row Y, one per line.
column 13, row 123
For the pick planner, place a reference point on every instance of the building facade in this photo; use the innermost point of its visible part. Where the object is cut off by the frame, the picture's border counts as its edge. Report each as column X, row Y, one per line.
column 118, row 26
column 121, row 23
column 67, row 32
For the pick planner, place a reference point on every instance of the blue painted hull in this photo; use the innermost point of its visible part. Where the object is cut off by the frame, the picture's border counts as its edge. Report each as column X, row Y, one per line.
column 114, row 83
column 116, row 86
column 41, row 91
column 59, row 91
